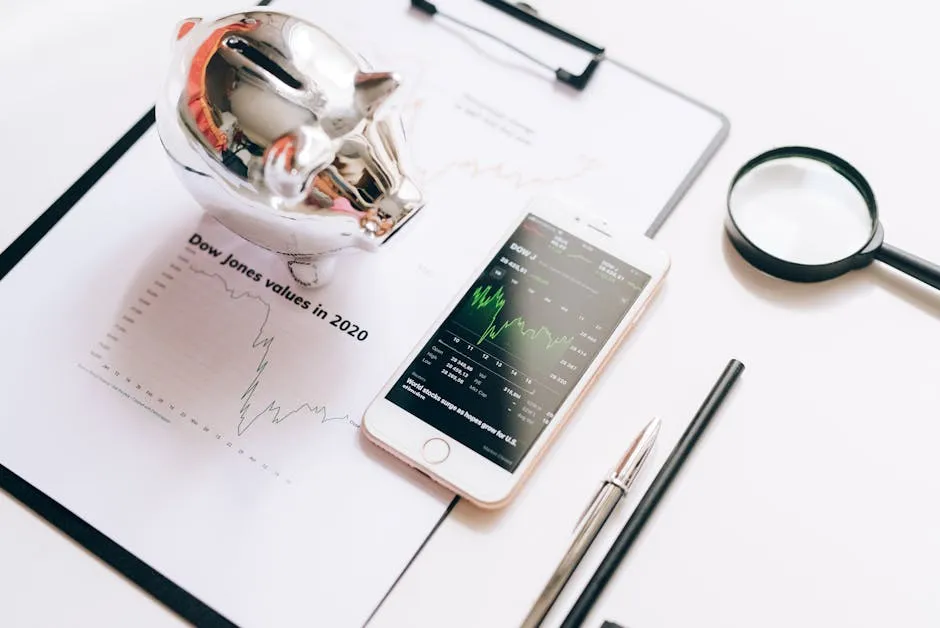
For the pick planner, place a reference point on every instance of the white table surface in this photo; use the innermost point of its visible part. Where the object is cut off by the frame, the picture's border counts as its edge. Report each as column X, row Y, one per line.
column 814, row 499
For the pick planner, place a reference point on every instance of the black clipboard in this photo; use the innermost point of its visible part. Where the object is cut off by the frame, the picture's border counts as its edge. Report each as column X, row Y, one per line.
column 95, row 541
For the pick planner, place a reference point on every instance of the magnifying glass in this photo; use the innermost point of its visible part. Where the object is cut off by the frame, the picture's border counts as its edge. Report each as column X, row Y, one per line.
column 804, row 214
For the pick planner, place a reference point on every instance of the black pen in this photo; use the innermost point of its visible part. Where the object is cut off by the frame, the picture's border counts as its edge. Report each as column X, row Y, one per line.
column 657, row 489
column 608, row 497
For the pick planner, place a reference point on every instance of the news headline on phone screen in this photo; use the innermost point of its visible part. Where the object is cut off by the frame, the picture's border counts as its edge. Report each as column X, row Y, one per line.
column 503, row 362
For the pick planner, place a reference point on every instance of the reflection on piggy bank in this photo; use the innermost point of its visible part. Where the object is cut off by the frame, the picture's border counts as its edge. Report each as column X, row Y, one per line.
column 272, row 126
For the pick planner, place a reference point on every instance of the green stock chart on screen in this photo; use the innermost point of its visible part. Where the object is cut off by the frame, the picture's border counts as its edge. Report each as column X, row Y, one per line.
column 495, row 372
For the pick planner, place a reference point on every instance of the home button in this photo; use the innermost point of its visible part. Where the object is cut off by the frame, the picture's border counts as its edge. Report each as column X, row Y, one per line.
column 435, row 450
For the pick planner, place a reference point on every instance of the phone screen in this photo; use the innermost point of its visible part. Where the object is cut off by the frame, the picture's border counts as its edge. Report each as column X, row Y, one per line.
column 495, row 372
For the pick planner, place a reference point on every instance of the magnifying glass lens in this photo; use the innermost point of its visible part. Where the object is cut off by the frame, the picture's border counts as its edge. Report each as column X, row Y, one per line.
column 801, row 210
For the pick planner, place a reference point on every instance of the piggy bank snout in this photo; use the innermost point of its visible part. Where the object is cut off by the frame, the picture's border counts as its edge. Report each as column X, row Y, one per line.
column 292, row 160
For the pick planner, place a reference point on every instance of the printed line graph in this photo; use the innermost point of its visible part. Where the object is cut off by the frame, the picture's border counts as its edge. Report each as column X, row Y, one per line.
column 263, row 341
column 482, row 125
column 507, row 173
column 143, row 359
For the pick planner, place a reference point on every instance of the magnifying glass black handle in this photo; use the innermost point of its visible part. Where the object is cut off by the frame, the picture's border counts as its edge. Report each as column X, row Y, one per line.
column 914, row 266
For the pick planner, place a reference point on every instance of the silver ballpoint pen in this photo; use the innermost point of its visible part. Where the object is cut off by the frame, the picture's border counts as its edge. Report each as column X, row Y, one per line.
column 613, row 489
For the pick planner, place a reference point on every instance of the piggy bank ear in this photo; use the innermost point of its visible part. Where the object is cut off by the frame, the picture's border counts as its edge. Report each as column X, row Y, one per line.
column 183, row 28
column 372, row 89
column 292, row 159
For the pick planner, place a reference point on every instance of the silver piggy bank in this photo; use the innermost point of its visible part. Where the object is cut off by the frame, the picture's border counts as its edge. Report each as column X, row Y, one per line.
column 273, row 127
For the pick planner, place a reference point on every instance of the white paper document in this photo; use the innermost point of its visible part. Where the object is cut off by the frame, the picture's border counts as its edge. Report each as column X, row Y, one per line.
column 169, row 384
column 203, row 412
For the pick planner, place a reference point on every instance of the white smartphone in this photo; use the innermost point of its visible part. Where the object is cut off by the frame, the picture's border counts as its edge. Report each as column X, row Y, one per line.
column 494, row 381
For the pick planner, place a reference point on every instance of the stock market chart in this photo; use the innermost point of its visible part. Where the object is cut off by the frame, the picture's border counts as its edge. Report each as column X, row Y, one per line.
column 499, row 367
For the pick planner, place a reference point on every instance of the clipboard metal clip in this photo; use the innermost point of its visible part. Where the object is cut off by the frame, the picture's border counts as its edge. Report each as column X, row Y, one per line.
column 528, row 15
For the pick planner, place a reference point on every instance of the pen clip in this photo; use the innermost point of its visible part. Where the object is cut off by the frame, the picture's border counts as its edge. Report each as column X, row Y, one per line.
column 610, row 479
column 623, row 475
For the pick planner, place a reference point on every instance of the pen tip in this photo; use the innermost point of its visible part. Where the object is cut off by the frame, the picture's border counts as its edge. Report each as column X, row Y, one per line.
column 638, row 452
